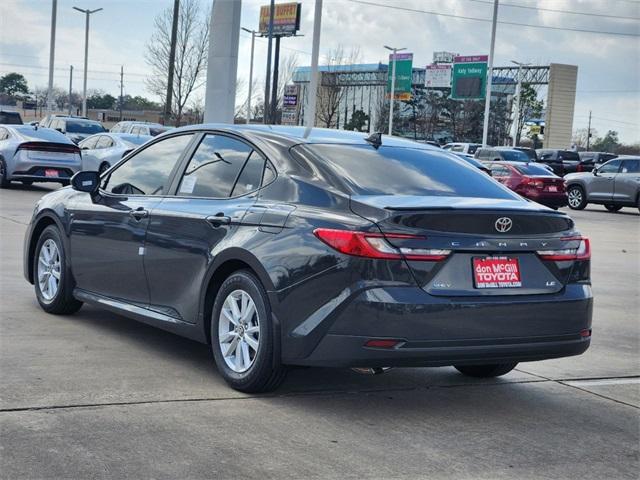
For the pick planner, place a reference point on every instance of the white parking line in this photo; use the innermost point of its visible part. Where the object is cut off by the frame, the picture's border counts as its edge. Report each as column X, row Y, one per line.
column 604, row 381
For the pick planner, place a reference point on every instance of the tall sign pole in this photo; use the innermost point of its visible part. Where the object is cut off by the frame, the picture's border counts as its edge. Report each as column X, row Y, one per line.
column 172, row 62
column 52, row 54
column 393, row 84
column 87, row 13
column 487, row 100
column 253, row 44
column 267, row 82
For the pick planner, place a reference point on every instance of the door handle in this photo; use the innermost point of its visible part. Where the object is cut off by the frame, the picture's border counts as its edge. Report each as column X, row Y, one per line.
column 139, row 214
column 218, row 220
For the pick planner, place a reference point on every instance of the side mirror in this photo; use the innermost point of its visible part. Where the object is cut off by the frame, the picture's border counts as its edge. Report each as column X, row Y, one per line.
column 59, row 130
column 86, row 181
column 84, row 148
column 595, row 172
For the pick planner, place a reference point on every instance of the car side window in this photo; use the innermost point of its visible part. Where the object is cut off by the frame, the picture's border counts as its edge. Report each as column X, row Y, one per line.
column 89, row 143
column 630, row 166
column 457, row 148
column 215, row 167
column 104, row 142
column 610, row 167
column 148, row 171
column 251, row 175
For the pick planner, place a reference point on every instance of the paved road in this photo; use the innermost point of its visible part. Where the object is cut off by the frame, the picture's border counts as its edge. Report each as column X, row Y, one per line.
column 95, row 395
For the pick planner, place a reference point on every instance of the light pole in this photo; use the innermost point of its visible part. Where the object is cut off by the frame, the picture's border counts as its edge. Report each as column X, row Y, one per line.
column 516, row 120
column 312, row 96
column 487, row 100
column 52, row 55
column 253, row 42
column 393, row 84
column 86, row 55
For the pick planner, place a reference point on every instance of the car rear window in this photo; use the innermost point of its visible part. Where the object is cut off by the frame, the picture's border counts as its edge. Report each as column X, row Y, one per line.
column 514, row 155
column 365, row 170
column 568, row 155
column 10, row 118
column 530, row 169
column 31, row 133
column 73, row 126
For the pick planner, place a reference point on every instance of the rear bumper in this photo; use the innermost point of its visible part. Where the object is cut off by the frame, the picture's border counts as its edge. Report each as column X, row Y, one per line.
column 436, row 331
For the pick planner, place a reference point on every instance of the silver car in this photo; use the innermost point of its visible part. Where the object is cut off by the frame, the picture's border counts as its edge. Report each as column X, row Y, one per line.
column 139, row 128
column 99, row 152
column 32, row 154
column 615, row 184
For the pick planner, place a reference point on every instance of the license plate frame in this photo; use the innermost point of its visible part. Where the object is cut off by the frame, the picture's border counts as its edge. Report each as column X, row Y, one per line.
column 496, row 271
column 51, row 173
column 552, row 188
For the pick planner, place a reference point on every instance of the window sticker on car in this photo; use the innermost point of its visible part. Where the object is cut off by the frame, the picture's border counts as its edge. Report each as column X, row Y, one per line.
column 188, row 183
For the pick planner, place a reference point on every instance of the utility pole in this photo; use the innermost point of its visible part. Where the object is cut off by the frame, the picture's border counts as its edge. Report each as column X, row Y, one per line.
column 310, row 112
column 70, row 86
column 589, row 131
column 253, row 43
column 86, row 55
column 487, row 100
column 172, row 61
column 393, row 84
column 516, row 131
column 267, row 83
column 274, row 88
column 52, row 54
column 121, row 88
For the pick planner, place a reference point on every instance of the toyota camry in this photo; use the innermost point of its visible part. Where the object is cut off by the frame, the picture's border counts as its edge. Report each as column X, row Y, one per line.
column 283, row 247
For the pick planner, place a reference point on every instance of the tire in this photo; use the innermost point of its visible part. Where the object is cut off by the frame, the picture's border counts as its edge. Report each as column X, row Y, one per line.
column 612, row 208
column 486, row 371
column 58, row 300
column 104, row 166
column 252, row 370
column 576, row 197
column 4, row 183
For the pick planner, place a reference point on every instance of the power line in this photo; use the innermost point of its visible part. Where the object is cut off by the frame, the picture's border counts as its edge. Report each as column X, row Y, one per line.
column 526, row 7
column 612, row 120
column 476, row 19
column 64, row 69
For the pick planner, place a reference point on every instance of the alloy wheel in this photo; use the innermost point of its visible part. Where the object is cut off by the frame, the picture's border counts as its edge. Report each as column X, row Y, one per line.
column 49, row 269
column 575, row 197
column 239, row 331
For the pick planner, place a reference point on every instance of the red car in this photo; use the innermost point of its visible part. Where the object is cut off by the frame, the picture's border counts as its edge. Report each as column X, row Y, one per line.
column 532, row 181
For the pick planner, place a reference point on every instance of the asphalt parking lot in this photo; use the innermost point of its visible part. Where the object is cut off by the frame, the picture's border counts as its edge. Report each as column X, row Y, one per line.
column 95, row 395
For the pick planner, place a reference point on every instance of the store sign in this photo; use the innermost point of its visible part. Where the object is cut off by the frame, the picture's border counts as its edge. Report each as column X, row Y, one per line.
column 404, row 76
column 469, row 79
column 286, row 19
column 444, row 57
column 438, row 76
column 290, row 105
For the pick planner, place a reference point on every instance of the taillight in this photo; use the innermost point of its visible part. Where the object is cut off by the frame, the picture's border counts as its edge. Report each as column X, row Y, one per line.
column 533, row 183
column 49, row 147
column 583, row 252
column 375, row 245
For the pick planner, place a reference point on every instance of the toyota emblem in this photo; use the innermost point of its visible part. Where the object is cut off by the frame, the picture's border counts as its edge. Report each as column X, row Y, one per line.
column 503, row 224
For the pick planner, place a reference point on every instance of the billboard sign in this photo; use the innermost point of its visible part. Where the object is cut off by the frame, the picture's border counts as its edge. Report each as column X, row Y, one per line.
column 444, row 57
column 469, row 78
column 438, row 76
column 286, row 19
column 404, row 76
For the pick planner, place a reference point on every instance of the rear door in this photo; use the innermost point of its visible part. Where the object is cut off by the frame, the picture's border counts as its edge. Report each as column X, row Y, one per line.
column 108, row 234
column 627, row 182
column 600, row 187
column 218, row 185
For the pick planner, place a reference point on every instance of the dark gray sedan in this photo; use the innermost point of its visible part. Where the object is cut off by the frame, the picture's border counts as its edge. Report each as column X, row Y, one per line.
column 330, row 249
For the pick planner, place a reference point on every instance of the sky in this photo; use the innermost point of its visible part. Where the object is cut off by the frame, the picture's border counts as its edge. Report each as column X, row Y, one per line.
column 608, row 63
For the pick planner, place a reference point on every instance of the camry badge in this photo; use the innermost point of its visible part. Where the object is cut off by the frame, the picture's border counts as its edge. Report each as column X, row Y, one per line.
column 503, row 224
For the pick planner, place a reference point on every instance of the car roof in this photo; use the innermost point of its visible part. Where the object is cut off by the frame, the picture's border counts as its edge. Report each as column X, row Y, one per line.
column 296, row 135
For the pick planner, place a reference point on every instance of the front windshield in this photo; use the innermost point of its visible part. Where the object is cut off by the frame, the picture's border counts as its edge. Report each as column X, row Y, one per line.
column 514, row 155
column 84, row 127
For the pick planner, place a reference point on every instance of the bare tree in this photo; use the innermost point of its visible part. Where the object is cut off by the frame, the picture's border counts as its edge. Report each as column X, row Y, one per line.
column 330, row 94
column 191, row 54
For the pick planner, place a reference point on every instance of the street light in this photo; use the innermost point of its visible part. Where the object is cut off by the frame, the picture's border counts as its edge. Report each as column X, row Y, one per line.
column 86, row 55
column 393, row 84
column 517, row 100
column 253, row 42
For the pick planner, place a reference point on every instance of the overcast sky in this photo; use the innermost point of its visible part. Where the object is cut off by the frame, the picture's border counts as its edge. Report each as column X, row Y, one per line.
column 608, row 64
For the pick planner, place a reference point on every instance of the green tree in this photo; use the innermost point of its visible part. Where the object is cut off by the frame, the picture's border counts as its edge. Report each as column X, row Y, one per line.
column 608, row 143
column 358, row 120
column 101, row 101
column 530, row 107
column 13, row 84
